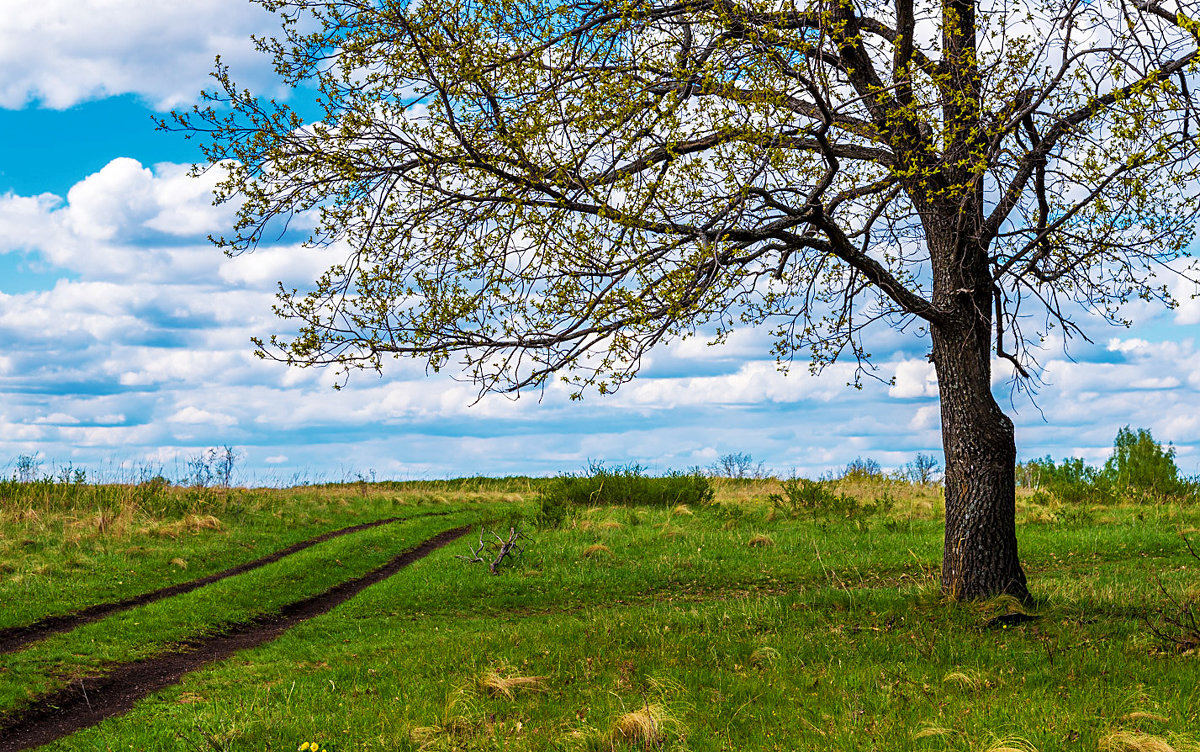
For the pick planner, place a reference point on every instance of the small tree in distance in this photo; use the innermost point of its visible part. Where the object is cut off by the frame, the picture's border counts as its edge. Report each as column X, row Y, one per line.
column 528, row 189
column 923, row 469
column 739, row 466
column 1140, row 463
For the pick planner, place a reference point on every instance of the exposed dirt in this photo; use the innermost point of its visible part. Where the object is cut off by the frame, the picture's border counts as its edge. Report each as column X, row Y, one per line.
column 14, row 638
column 89, row 701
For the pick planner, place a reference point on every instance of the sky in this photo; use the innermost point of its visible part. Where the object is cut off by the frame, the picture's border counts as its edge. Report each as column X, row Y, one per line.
column 125, row 336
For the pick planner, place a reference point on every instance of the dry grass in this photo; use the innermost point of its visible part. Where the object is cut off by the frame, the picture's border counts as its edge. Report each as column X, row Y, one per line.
column 191, row 524
column 682, row 510
column 495, row 684
column 596, row 549
column 1129, row 741
column 1010, row 744
column 645, row 727
column 761, row 540
column 968, row 679
column 764, row 654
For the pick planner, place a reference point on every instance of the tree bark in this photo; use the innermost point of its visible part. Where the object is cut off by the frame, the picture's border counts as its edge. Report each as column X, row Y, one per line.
column 979, row 557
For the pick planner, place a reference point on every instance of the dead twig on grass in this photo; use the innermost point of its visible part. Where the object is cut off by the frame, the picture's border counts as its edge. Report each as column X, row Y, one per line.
column 498, row 549
column 1181, row 628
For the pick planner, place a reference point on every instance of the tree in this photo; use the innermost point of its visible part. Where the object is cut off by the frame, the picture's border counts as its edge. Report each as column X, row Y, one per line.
column 531, row 188
column 1139, row 463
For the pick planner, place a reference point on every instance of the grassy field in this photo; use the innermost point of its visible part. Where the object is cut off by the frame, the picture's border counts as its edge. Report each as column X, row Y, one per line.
column 710, row 627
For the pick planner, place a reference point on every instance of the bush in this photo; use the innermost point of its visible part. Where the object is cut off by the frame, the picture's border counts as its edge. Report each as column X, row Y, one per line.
column 1139, row 467
column 862, row 469
column 802, row 497
column 626, row 485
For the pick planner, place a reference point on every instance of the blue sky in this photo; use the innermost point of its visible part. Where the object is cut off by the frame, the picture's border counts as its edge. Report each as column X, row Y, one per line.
column 125, row 337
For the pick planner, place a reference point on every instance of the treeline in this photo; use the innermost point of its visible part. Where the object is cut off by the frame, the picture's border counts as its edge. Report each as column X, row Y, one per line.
column 1139, row 469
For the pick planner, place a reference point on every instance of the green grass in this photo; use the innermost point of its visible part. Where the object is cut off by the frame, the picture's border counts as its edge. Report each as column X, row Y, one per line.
column 66, row 546
column 667, row 627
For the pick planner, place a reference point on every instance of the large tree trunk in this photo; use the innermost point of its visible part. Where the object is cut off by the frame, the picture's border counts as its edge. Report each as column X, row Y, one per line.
column 979, row 558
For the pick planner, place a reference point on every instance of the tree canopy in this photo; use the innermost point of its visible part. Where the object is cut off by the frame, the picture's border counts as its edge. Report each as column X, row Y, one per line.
column 523, row 182
column 529, row 188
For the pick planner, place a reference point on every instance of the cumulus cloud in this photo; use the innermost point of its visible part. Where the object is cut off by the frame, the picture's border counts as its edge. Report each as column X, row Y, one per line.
column 142, row 352
column 914, row 378
column 57, row 53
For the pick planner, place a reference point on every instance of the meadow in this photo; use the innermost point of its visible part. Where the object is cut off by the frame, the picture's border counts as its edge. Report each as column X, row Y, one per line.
column 732, row 622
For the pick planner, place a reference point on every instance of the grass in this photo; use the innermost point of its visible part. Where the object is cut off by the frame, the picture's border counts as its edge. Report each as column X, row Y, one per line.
column 66, row 546
column 651, row 628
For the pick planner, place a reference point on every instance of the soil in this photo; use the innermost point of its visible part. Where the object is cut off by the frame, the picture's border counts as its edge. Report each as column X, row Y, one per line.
column 14, row 638
column 92, row 700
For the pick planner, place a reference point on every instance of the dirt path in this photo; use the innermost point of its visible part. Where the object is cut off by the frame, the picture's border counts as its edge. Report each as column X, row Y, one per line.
column 14, row 638
column 90, row 701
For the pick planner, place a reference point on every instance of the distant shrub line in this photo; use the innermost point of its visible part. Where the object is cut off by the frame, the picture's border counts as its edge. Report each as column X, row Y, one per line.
column 1140, row 469
column 623, row 485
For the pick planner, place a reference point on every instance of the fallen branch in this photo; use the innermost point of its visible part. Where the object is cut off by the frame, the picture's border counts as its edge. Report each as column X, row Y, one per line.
column 500, row 547
column 1181, row 627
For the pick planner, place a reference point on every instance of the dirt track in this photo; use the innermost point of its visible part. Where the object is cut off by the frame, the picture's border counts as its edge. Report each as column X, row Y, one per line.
column 90, row 701
column 14, row 638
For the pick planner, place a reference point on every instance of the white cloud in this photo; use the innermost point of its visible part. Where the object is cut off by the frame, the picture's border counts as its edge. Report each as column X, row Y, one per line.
column 914, row 378
column 145, row 353
column 194, row 415
column 61, row 52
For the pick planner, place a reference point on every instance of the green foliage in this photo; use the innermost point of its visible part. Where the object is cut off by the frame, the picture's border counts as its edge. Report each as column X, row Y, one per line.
column 686, row 627
column 862, row 470
column 1139, row 468
column 1070, row 482
column 624, row 485
column 802, row 497
column 1140, row 465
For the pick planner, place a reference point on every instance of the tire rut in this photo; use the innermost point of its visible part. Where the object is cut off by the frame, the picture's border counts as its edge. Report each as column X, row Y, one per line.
column 78, row 706
column 13, row 639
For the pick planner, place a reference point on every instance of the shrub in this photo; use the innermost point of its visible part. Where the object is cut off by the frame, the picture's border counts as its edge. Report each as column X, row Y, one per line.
column 1070, row 482
column 862, row 469
column 626, row 485
column 1139, row 467
column 802, row 497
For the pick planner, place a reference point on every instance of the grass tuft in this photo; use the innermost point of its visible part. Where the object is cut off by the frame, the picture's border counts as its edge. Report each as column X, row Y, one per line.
column 645, row 727
column 1139, row 715
column 596, row 549
column 1129, row 741
column 931, row 731
column 970, row 680
column 764, row 654
column 494, row 684
column 1010, row 744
